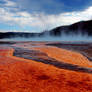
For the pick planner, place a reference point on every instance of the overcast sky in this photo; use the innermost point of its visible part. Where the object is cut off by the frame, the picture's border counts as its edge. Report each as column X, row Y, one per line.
column 39, row 15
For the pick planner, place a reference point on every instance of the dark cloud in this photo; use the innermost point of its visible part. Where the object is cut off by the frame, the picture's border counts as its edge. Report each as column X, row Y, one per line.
column 50, row 6
column 53, row 6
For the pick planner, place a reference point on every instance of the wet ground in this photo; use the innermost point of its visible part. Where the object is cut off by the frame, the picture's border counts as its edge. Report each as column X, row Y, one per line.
column 23, row 65
column 23, row 50
column 83, row 48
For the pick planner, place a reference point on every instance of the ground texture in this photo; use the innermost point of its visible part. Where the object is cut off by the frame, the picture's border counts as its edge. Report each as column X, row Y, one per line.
column 45, row 67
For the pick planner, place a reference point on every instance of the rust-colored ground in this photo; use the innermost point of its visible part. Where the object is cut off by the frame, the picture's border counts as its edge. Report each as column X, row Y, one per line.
column 22, row 75
column 66, row 56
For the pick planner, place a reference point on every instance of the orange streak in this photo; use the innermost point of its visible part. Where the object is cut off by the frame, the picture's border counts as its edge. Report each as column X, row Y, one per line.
column 66, row 56
column 21, row 75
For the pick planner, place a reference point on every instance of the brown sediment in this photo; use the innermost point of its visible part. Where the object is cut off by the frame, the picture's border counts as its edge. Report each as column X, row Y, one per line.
column 85, row 49
column 44, row 58
column 22, row 75
column 66, row 56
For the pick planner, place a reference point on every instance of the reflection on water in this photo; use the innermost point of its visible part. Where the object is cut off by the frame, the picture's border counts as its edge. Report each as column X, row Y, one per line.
column 64, row 37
